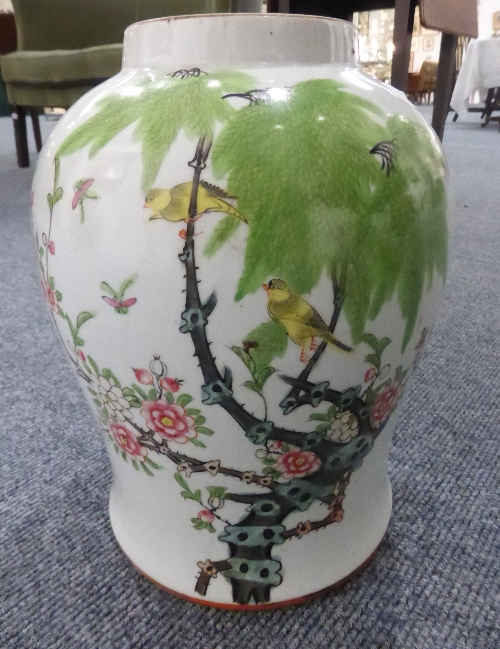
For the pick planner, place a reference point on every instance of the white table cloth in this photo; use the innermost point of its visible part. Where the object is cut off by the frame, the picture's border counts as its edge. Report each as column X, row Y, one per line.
column 480, row 70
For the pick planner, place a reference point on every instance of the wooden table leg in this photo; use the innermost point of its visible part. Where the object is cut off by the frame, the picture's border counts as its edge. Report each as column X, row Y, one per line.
column 36, row 127
column 19, row 121
column 403, row 27
column 444, row 82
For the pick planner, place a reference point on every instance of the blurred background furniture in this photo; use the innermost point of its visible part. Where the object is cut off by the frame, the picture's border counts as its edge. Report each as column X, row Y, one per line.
column 66, row 47
column 480, row 72
column 422, row 84
column 452, row 17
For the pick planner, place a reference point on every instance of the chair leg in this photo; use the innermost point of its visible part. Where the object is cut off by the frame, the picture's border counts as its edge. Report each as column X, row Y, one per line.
column 36, row 128
column 403, row 26
column 444, row 82
column 19, row 121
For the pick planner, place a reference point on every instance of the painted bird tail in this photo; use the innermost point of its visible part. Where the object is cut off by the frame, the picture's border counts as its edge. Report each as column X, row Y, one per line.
column 227, row 208
column 331, row 340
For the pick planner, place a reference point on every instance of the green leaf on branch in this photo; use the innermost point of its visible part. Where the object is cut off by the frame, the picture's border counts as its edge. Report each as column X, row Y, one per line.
column 370, row 340
column 192, row 411
column 152, row 394
column 316, row 416
column 270, row 340
column 97, row 402
column 83, row 317
column 58, row 194
column 151, row 463
column 145, row 469
column 139, row 391
column 49, row 201
column 203, row 431
column 169, row 397
column 222, row 232
column 93, row 364
column 322, row 428
column 41, row 251
column 135, row 465
column 210, row 528
column 269, row 460
column 128, row 392
column 52, row 283
column 184, row 399
column 242, row 354
column 332, row 411
column 59, row 296
column 197, row 442
column 252, row 385
column 106, row 372
column 180, row 480
column 264, row 374
column 79, row 342
column 373, row 359
column 199, row 419
column 217, row 492
column 124, row 455
column 382, row 344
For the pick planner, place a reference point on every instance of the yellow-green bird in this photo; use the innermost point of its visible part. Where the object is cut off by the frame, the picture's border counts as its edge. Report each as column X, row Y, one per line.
column 302, row 322
column 173, row 204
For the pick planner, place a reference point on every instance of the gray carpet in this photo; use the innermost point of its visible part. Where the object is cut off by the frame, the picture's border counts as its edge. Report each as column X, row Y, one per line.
column 435, row 582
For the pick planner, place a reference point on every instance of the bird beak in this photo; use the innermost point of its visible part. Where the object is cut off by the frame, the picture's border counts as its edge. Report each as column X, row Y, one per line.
column 145, row 205
column 265, row 287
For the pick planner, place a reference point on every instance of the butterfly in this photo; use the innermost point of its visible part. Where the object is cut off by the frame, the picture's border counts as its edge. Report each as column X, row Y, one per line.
column 116, row 300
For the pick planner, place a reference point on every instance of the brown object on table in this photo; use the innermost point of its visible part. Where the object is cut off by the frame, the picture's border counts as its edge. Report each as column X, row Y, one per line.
column 423, row 83
column 452, row 17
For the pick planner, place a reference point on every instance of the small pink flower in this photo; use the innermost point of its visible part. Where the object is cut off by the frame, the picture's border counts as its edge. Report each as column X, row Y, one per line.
column 275, row 446
column 381, row 409
column 80, row 192
column 369, row 375
column 127, row 441
column 297, row 464
column 206, row 516
column 169, row 420
column 81, row 355
column 50, row 297
column 52, row 248
column 143, row 376
column 171, row 385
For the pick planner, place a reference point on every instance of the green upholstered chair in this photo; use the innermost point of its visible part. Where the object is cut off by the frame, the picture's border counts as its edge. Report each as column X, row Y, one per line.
column 66, row 47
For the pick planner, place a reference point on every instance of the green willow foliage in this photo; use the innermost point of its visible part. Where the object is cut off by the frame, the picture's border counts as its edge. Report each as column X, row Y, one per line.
column 165, row 106
column 316, row 200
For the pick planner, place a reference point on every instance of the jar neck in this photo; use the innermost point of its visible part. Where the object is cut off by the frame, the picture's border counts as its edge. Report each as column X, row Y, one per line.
column 239, row 40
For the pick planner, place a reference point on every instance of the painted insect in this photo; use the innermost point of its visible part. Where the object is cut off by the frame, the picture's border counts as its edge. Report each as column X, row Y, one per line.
column 116, row 300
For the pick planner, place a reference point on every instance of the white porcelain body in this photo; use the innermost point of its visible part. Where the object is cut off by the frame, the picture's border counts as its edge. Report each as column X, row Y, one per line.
column 150, row 519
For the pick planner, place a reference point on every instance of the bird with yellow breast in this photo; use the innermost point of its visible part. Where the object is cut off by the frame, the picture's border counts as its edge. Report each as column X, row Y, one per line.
column 173, row 204
column 302, row 322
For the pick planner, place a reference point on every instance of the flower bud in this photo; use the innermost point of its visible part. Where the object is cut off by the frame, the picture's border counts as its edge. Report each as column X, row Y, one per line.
column 215, row 502
column 158, row 367
column 206, row 516
column 261, row 453
column 143, row 376
column 170, row 385
column 44, row 238
column 52, row 248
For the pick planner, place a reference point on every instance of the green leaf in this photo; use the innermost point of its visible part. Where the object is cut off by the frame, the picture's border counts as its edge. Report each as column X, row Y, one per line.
column 192, row 411
column 52, row 283
column 151, row 463
column 184, row 399
column 83, row 317
column 59, row 296
column 125, row 285
column 371, row 341
column 223, row 231
column 374, row 359
column 180, row 480
column 93, row 364
column 197, row 442
column 139, row 391
column 203, row 431
column 104, row 414
column 382, row 344
column 152, row 394
column 107, row 373
column 269, row 460
column 58, row 194
column 97, row 402
column 370, row 396
column 128, row 392
column 197, row 495
column 217, row 492
column 90, row 193
column 285, row 447
column 92, row 391
column 252, row 385
column 124, row 455
column 275, row 475
column 268, row 470
column 135, row 403
column 169, row 397
column 115, row 446
column 322, row 428
column 242, row 355
column 145, row 469
column 135, row 465
column 332, row 411
column 79, row 342
column 271, row 339
column 316, row 416
column 210, row 527
column 107, row 289
column 199, row 419
column 49, row 201
column 264, row 374
column 41, row 251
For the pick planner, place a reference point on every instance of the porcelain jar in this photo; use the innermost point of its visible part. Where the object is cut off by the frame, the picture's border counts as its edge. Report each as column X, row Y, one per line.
column 242, row 239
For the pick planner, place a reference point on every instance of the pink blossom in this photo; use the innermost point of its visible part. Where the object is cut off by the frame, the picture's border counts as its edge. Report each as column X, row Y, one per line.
column 127, row 441
column 82, row 355
column 50, row 297
column 206, row 516
column 52, row 248
column 381, row 409
column 80, row 192
column 275, row 446
column 169, row 420
column 143, row 376
column 171, row 385
column 297, row 464
column 370, row 375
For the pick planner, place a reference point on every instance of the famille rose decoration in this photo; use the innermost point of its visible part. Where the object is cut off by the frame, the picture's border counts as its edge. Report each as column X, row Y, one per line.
column 242, row 239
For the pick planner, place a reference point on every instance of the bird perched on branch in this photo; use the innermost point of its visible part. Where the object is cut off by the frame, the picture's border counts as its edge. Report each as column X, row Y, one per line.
column 302, row 322
column 173, row 204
